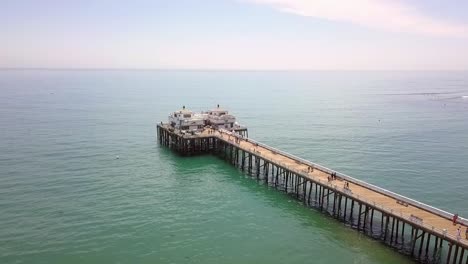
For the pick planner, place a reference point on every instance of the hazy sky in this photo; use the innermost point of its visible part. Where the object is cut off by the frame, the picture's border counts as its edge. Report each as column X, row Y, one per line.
column 235, row 34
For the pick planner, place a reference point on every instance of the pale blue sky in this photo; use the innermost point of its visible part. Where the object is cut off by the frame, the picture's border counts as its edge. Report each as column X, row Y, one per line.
column 235, row 34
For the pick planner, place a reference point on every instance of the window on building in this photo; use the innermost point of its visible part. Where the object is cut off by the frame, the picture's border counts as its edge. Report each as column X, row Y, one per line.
column 187, row 115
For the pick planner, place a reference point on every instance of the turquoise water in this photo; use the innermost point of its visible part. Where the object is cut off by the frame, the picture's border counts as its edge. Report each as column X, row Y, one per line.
column 65, row 198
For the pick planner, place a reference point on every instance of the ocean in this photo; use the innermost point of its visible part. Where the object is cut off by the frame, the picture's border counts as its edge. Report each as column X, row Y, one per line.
column 83, row 180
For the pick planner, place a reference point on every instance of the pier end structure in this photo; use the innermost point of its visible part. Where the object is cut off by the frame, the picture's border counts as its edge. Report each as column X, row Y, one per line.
column 191, row 133
column 420, row 231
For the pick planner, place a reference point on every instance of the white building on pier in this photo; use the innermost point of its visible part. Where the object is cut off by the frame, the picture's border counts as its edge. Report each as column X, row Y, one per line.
column 186, row 120
column 216, row 118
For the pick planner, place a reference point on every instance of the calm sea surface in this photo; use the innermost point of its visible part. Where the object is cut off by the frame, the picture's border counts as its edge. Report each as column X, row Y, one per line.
column 65, row 198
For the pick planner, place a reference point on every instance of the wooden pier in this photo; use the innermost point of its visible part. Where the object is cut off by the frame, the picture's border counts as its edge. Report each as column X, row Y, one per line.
column 420, row 231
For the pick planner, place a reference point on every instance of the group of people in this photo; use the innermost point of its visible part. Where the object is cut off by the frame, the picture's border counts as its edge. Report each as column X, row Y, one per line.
column 332, row 177
column 236, row 139
column 454, row 221
column 346, row 185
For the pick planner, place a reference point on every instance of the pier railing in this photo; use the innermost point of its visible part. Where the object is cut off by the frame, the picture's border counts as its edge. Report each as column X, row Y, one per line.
column 383, row 191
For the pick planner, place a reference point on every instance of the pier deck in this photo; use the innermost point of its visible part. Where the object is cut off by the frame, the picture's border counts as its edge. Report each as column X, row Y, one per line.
column 361, row 193
column 391, row 206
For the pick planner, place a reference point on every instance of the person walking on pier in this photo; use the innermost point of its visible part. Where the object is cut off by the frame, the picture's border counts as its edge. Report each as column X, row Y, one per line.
column 458, row 234
column 455, row 217
column 346, row 185
column 333, row 176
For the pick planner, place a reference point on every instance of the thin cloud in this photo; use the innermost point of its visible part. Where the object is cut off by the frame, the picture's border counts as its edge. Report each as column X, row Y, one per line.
column 389, row 15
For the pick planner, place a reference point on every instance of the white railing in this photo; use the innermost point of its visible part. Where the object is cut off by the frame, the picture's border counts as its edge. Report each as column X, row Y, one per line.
column 410, row 201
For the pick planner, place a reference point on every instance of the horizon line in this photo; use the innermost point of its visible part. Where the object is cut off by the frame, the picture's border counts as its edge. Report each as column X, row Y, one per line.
column 215, row 69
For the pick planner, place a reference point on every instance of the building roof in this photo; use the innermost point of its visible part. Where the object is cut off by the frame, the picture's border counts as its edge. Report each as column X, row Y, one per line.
column 184, row 111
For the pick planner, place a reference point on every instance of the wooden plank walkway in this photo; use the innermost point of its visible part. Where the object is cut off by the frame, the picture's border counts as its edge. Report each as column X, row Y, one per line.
column 391, row 205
